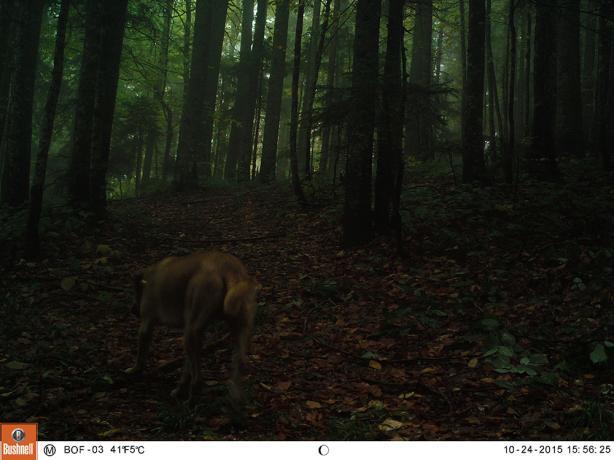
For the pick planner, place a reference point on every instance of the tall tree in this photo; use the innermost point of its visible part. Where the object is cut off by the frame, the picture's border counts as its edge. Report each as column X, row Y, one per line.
column 80, row 159
column 390, row 134
column 493, row 93
column 509, row 151
column 242, row 94
column 192, row 138
column 331, row 78
column 296, row 73
column 255, row 70
column 304, row 154
column 318, row 34
column 17, row 139
column 473, row 95
column 527, row 74
column 463, row 56
column 46, row 132
column 438, row 55
column 276, row 82
column 357, row 207
column 218, row 27
column 419, row 122
column 591, row 24
column 187, row 61
column 161, row 89
column 7, row 23
column 605, row 84
column 542, row 153
column 113, row 25
column 570, row 136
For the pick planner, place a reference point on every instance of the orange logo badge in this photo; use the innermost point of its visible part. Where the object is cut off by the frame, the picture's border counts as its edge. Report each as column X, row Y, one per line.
column 18, row 441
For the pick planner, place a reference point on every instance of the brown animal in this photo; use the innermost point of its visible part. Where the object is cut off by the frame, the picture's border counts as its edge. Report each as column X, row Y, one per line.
column 190, row 292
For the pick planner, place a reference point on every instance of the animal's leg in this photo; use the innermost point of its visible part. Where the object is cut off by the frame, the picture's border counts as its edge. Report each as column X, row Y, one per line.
column 145, row 335
column 204, row 301
column 242, row 336
column 192, row 348
column 182, row 388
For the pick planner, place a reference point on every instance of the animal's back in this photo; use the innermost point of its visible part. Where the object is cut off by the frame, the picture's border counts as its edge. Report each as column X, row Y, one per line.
column 166, row 282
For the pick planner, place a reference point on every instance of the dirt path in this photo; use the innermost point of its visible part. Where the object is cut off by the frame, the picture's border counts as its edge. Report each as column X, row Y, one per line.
column 349, row 345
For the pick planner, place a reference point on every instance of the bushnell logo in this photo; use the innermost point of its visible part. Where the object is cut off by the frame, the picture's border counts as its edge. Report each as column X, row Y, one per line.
column 18, row 441
column 18, row 435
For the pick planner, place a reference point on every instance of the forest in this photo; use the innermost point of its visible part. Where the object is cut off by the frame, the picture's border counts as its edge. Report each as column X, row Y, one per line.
column 420, row 190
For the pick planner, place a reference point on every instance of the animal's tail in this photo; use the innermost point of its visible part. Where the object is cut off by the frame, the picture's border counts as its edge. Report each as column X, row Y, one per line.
column 240, row 299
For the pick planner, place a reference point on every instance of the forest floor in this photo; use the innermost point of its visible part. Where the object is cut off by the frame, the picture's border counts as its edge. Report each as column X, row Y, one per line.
column 496, row 325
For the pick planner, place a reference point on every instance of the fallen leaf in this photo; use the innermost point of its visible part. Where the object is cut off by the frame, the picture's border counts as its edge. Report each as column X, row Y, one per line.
column 375, row 404
column 313, row 405
column 108, row 433
column 283, row 386
column 473, row 363
column 390, row 425
column 17, row 365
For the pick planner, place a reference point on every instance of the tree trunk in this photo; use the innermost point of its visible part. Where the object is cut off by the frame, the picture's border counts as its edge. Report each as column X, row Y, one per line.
column 508, row 152
column 81, row 156
column 309, row 89
column 542, row 152
column 570, row 137
column 268, row 166
column 357, row 208
column 17, row 138
column 494, row 105
column 46, row 133
column 191, row 138
column 255, row 69
column 438, row 55
column 150, row 147
column 310, row 93
column 138, row 161
column 220, row 9
column 419, row 122
column 390, row 135
column 463, row 59
column 296, row 182
column 331, row 77
column 7, row 25
column 588, row 72
column 222, row 133
column 186, row 51
column 473, row 95
column 257, row 120
column 187, row 46
column 527, row 76
column 238, row 111
column 161, row 90
column 114, row 20
column 603, row 108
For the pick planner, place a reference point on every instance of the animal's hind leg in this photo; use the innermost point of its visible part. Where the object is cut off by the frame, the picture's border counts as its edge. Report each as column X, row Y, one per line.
column 145, row 334
column 204, row 300
column 242, row 331
column 193, row 344
column 182, row 388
